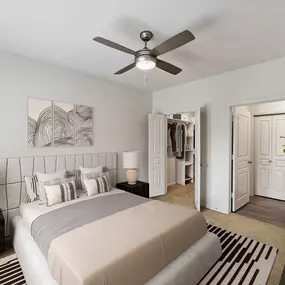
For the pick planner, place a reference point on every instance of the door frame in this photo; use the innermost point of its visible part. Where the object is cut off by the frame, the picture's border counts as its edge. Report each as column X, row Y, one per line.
column 231, row 107
column 178, row 112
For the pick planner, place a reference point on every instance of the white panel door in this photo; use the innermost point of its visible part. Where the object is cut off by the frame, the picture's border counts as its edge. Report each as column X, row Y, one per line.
column 277, row 190
column 263, row 160
column 198, row 163
column 241, row 160
column 157, row 154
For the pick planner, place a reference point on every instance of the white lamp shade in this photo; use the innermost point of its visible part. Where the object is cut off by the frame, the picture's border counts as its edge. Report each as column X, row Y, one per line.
column 131, row 159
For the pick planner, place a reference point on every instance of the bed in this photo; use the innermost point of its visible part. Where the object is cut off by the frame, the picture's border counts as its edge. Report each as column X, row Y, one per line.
column 118, row 239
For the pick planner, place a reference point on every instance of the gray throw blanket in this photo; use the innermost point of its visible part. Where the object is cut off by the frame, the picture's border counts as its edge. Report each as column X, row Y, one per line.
column 51, row 225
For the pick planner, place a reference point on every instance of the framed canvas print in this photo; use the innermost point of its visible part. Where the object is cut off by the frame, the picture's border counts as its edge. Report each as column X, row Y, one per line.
column 83, row 125
column 63, row 124
column 39, row 123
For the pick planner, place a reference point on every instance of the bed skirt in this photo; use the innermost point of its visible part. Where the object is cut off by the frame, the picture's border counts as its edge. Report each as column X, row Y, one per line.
column 187, row 269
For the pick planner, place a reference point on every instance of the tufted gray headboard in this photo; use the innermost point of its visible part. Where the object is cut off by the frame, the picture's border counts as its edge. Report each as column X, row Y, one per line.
column 13, row 170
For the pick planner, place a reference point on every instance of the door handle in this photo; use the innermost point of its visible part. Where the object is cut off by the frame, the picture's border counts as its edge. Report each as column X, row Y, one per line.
column 270, row 161
column 250, row 162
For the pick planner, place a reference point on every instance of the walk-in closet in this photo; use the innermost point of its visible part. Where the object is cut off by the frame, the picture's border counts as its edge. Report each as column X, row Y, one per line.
column 180, row 149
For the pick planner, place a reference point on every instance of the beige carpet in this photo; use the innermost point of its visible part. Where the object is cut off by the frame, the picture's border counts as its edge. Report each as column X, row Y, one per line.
column 257, row 230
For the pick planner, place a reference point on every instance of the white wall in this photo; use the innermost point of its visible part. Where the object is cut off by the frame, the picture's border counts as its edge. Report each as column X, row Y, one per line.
column 259, row 82
column 268, row 108
column 120, row 112
column 171, row 171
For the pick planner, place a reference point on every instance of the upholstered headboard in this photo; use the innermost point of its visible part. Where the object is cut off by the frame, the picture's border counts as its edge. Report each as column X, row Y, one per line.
column 13, row 170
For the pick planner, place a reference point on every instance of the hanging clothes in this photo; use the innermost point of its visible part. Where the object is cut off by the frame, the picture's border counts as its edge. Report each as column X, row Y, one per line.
column 173, row 137
column 169, row 141
column 178, row 137
column 181, row 152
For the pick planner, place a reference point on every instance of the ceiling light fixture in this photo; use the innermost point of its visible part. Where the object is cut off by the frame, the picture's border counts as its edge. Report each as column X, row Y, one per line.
column 145, row 62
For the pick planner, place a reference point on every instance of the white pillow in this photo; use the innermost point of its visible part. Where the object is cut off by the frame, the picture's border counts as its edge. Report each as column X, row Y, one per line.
column 43, row 177
column 60, row 193
column 92, row 170
column 51, row 176
column 97, row 185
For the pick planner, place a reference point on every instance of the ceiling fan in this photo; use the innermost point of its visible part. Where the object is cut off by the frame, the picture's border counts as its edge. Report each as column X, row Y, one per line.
column 145, row 58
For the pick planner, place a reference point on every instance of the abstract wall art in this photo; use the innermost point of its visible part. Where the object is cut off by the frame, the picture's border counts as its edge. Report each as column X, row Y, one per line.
column 58, row 124
column 83, row 125
column 39, row 123
column 63, row 124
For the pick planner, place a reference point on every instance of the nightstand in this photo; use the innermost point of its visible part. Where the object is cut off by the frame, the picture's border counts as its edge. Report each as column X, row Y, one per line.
column 140, row 188
column 2, row 232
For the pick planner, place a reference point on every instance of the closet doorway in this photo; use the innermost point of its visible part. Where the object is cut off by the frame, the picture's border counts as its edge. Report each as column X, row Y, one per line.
column 175, row 157
column 258, row 161
column 181, row 154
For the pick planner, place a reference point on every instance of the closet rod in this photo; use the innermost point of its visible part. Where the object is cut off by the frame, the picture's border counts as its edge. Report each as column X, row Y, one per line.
column 178, row 121
column 264, row 115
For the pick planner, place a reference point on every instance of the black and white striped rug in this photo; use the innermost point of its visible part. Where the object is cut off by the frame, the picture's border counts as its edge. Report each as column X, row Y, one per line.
column 11, row 273
column 243, row 261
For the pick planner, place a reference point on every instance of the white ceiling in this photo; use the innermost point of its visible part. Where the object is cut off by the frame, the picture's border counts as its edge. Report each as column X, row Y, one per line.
column 230, row 34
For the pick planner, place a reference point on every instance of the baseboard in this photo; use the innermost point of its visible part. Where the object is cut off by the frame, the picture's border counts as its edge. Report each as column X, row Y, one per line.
column 171, row 184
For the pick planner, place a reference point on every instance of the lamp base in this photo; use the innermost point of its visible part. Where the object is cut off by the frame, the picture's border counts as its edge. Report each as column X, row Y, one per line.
column 132, row 176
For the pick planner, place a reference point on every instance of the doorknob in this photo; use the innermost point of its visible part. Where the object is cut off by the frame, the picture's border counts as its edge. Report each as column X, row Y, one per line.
column 270, row 161
column 250, row 162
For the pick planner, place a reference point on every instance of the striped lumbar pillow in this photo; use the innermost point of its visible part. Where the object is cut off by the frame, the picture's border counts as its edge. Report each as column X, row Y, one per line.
column 97, row 185
column 60, row 193
column 42, row 185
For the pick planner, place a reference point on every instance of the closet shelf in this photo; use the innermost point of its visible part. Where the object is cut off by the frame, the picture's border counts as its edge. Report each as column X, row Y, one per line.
column 188, row 178
column 188, row 163
column 178, row 121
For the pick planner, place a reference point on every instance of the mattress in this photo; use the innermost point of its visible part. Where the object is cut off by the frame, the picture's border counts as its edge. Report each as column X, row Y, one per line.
column 30, row 211
column 128, row 244
column 187, row 269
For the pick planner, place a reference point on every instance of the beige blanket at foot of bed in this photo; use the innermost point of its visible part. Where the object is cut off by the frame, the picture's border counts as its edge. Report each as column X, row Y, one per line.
column 127, row 248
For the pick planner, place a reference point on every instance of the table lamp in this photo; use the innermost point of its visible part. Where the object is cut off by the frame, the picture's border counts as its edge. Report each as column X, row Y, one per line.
column 131, row 164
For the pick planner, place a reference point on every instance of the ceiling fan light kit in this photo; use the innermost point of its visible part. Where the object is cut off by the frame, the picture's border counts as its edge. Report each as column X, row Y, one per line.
column 146, row 59
column 145, row 62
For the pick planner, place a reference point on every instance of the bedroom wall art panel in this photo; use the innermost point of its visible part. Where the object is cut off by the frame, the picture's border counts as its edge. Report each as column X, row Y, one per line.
column 83, row 125
column 39, row 123
column 63, row 124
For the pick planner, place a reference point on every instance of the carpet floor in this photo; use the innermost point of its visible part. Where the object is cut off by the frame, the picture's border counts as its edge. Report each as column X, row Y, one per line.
column 243, row 261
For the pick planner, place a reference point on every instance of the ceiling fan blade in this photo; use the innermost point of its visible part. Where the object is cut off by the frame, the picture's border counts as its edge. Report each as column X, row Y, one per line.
column 125, row 69
column 173, row 43
column 170, row 68
column 114, row 45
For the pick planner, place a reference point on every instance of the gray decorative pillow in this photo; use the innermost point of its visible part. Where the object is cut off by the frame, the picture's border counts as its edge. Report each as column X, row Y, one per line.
column 97, row 185
column 77, row 174
column 42, row 185
column 94, row 175
column 56, row 194
column 32, row 186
